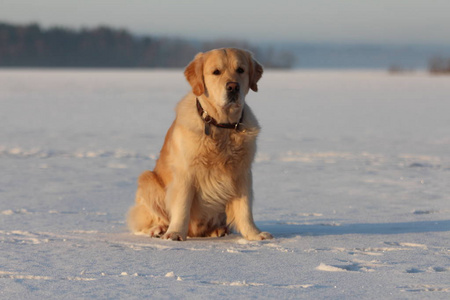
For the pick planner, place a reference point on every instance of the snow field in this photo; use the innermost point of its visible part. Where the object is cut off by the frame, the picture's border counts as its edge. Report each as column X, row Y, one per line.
column 351, row 177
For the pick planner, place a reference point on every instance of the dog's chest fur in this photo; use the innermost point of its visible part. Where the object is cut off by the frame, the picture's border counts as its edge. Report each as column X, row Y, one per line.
column 223, row 160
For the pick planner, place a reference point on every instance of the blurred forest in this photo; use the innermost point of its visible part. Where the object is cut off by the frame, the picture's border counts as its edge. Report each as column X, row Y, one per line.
column 104, row 47
column 439, row 65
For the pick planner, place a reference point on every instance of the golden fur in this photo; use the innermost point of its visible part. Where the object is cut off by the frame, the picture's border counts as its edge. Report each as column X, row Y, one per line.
column 202, row 183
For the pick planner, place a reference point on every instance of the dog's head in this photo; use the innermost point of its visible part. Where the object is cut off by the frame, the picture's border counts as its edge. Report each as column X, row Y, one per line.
column 224, row 77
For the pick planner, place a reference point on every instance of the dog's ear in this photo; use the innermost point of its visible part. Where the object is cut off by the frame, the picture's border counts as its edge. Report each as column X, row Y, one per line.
column 194, row 75
column 256, row 72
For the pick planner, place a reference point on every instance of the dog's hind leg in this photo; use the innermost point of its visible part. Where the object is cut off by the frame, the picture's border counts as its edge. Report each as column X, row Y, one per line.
column 148, row 216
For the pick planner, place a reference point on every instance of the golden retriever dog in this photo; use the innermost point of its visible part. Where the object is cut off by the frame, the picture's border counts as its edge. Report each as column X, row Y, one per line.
column 202, row 182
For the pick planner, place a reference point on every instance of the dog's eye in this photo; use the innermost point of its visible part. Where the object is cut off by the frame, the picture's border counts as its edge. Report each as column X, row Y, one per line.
column 216, row 72
column 240, row 70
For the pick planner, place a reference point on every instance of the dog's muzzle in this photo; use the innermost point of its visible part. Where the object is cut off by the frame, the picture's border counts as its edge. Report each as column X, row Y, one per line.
column 233, row 89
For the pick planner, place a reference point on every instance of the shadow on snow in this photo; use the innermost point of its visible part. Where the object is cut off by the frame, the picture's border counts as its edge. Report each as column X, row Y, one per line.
column 279, row 229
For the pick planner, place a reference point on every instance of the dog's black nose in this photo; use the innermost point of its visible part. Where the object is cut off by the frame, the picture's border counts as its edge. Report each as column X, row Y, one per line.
column 232, row 87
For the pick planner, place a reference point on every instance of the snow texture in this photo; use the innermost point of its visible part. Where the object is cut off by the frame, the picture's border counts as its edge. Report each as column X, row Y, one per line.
column 352, row 178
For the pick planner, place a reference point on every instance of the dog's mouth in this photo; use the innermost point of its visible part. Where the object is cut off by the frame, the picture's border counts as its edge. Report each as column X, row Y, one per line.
column 233, row 97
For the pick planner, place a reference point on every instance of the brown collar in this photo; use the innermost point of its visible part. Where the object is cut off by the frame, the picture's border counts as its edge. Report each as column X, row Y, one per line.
column 211, row 121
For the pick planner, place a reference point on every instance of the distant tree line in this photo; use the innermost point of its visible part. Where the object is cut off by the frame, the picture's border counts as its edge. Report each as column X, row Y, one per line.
column 439, row 65
column 104, row 47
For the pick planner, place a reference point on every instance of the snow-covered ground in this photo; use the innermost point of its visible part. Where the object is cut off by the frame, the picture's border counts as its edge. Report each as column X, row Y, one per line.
column 352, row 177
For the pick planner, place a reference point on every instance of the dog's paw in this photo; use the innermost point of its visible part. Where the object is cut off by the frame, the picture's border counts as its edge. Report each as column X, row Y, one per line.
column 265, row 236
column 157, row 231
column 260, row 236
column 220, row 232
column 174, row 236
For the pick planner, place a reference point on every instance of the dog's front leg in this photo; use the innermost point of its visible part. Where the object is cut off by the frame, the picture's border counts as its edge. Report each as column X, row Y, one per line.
column 239, row 212
column 178, row 202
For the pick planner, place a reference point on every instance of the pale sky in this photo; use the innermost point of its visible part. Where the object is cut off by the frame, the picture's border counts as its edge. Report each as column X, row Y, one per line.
column 335, row 21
